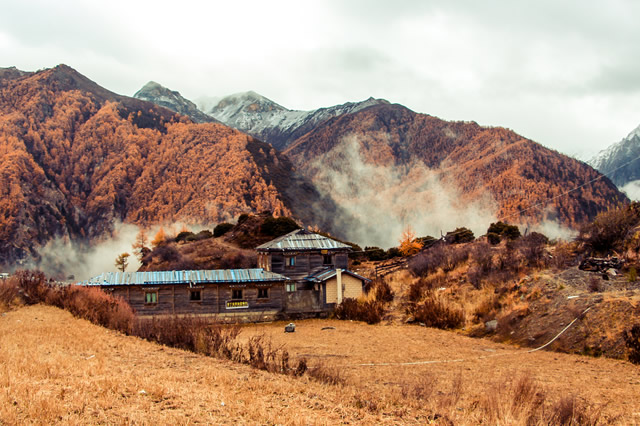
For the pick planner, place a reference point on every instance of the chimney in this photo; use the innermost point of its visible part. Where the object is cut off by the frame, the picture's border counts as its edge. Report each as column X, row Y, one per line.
column 339, row 285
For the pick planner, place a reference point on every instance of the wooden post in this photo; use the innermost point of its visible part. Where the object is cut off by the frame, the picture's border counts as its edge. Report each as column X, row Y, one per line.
column 339, row 285
column 173, row 299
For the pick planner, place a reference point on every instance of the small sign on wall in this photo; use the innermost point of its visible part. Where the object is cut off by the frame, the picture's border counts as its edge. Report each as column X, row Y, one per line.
column 237, row 304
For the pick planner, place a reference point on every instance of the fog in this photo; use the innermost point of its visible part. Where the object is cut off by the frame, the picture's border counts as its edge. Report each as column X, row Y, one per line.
column 380, row 201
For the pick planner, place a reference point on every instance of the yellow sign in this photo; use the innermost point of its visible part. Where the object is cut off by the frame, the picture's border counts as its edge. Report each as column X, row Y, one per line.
column 237, row 304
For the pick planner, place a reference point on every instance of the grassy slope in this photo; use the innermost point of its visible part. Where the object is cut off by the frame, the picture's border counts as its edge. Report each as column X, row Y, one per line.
column 54, row 368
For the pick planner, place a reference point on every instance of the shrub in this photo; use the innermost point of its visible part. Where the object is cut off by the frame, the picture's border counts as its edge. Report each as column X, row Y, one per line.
column 182, row 236
column 493, row 238
column 375, row 253
column 382, row 290
column 205, row 234
column 609, row 229
column 166, row 253
column 222, row 228
column 9, row 293
column 370, row 311
column 632, row 341
column 459, row 235
column 504, row 230
column 434, row 311
column 438, row 256
column 393, row 252
column 324, row 373
column 276, row 227
column 243, row 217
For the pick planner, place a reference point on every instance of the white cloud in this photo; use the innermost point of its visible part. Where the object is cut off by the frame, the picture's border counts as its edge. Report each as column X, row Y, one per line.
column 561, row 73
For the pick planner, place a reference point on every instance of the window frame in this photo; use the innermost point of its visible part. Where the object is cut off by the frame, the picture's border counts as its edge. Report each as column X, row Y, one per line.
column 290, row 261
column 192, row 292
column 325, row 257
column 265, row 291
column 233, row 294
column 154, row 299
column 291, row 287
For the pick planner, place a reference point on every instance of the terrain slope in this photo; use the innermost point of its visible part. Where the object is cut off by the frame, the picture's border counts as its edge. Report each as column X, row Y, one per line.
column 76, row 158
column 57, row 369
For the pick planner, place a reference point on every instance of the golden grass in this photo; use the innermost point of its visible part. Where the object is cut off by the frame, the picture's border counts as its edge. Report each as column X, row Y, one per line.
column 58, row 369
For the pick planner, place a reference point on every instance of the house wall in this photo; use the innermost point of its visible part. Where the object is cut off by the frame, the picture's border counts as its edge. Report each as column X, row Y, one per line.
column 175, row 299
column 353, row 288
column 306, row 263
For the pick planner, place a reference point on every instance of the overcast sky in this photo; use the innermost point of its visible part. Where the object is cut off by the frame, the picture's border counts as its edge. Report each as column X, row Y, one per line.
column 563, row 73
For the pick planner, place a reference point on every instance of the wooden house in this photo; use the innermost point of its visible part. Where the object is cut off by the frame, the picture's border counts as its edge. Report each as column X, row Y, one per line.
column 301, row 273
column 317, row 267
column 251, row 293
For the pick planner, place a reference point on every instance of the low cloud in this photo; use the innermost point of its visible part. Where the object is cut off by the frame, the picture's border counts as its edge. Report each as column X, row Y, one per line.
column 380, row 201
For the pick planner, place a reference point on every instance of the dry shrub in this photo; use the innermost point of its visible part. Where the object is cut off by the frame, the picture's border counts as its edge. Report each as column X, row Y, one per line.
column 382, row 290
column 32, row 285
column 324, row 373
column 418, row 288
column 263, row 356
column 609, row 229
column 594, row 284
column 632, row 341
column 419, row 387
column 93, row 304
column 569, row 410
column 443, row 256
column 369, row 311
column 9, row 293
column 488, row 308
column 436, row 311
column 524, row 401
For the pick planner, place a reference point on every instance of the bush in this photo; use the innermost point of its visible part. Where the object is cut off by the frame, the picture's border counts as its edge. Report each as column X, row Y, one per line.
column 438, row 256
column 459, row 235
column 276, row 227
column 351, row 309
column 609, row 229
column 435, row 312
column 382, row 290
column 632, row 341
column 393, row 252
column 222, row 228
column 503, row 230
column 243, row 217
column 182, row 236
column 375, row 253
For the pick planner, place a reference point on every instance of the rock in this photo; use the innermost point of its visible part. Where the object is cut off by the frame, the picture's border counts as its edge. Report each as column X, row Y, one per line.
column 611, row 272
column 290, row 328
column 491, row 325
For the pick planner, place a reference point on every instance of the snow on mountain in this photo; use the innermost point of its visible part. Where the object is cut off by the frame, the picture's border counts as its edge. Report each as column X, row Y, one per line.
column 266, row 120
column 621, row 162
column 160, row 95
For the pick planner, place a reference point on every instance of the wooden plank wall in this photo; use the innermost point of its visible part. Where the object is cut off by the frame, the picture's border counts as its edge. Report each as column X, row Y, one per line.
column 175, row 299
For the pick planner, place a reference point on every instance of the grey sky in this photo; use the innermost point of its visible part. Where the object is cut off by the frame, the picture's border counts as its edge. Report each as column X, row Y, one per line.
column 565, row 74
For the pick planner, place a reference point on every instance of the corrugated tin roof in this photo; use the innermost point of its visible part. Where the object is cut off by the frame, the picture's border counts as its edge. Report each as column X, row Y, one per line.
column 328, row 273
column 184, row 277
column 302, row 240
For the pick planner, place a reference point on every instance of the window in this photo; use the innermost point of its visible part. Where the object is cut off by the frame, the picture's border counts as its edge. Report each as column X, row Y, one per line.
column 291, row 287
column 263, row 293
column 151, row 297
column 236, row 294
column 290, row 261
column 195, row 295
column 327, row 259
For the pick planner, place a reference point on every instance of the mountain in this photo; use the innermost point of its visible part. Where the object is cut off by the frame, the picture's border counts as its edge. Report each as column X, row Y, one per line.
column 391, row 167
column 621, row 163
column 270, row 122
column 160, row 95
column 75, row 159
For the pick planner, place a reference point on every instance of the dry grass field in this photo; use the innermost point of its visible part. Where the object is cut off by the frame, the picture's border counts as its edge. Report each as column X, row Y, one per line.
column 55, row 368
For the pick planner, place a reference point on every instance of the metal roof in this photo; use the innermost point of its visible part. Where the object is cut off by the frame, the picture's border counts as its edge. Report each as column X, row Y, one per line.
column 328, row 273
column 185, row 277
column 302, row 240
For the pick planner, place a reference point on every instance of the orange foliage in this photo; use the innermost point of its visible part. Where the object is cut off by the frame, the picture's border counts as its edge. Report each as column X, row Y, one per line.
column 408, row 244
